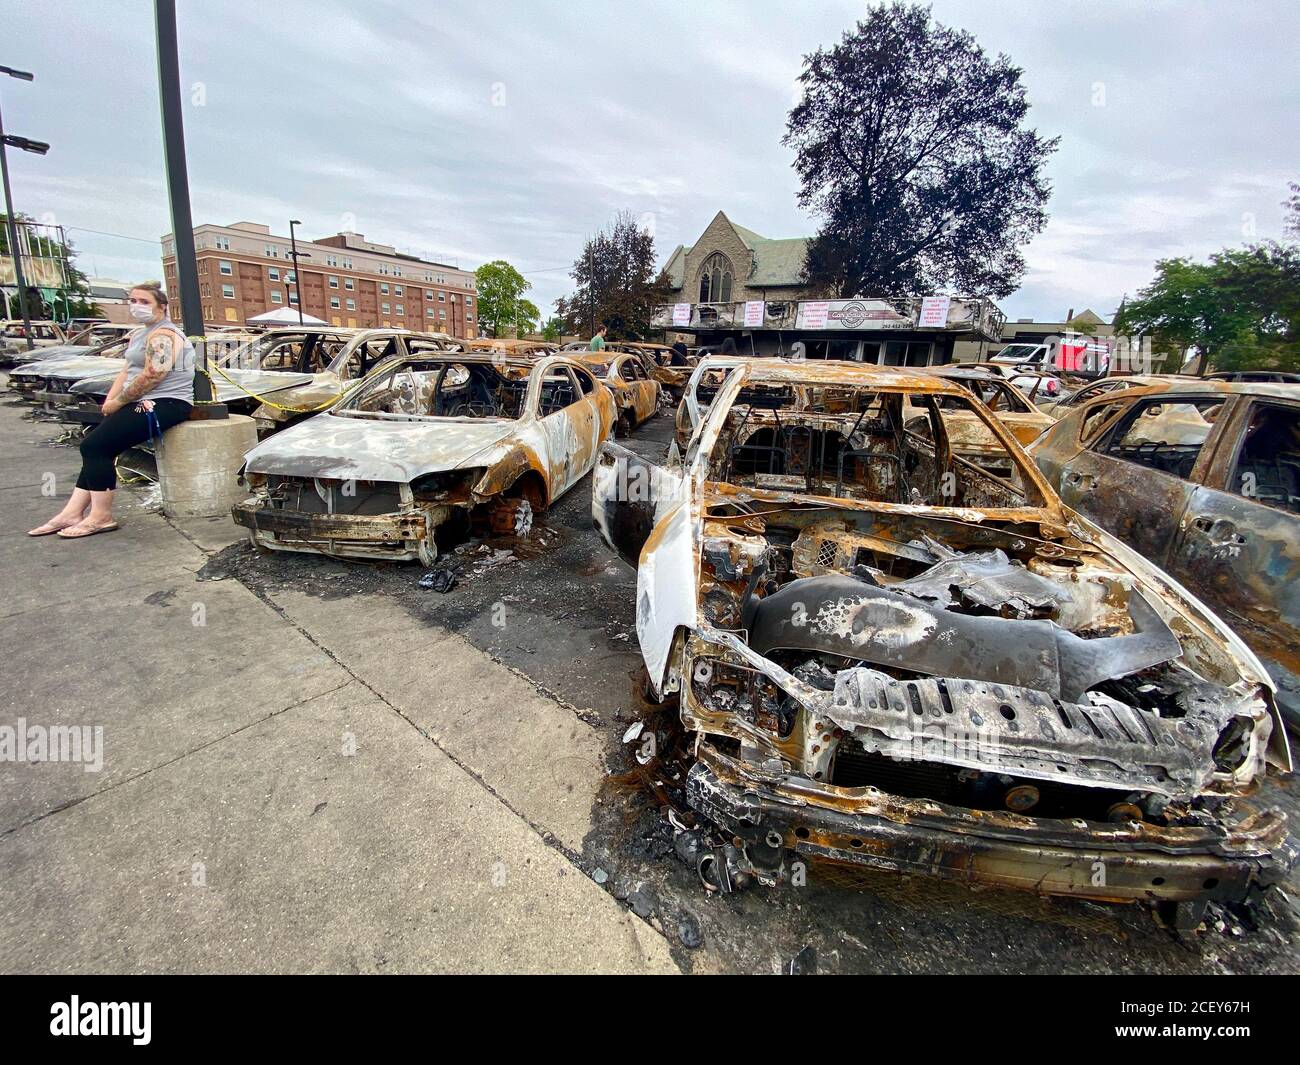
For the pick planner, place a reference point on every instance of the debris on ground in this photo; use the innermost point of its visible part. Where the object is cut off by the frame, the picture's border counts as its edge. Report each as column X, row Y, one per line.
column 442, row 579
column 804, row 963
column 688, row 931
column 643, row 901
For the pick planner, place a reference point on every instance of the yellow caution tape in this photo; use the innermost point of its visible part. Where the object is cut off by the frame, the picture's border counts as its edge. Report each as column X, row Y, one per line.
column 271, row 402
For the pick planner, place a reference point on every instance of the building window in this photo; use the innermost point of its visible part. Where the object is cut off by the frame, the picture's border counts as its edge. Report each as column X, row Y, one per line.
column 273, row 272
column 228, row 291
column 383, row 288
column 715, row 279
column 384, row 307
column 334, row 302
column 290, row 276
column 442, row 313
column 401, row 309
column 331, row 260
column 442, row 297
column 272, row 252
column 430, row 312
column 397, row 290
column 275, row 296
column 469, row 301
column 348, row 284
column 223, row 243
column 225, row 267
column 293, row 296
column 347, row 264
column 428, row 294
column 352, row 305
column 469, row 317
column 334, row 281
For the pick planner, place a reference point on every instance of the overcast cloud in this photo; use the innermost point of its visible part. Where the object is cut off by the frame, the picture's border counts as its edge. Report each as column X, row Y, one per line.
column 466, row 132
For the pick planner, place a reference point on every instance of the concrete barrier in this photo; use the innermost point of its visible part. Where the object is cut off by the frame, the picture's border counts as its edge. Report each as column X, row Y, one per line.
column 198, row 466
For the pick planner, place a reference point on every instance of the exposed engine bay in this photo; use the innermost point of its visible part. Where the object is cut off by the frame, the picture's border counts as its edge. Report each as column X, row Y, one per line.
column 909, row 658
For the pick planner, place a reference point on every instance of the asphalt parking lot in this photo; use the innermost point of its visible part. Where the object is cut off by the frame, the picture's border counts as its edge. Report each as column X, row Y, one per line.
column 487, row 726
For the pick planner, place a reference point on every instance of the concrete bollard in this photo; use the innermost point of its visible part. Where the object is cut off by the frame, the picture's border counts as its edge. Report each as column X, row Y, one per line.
column 198, row 466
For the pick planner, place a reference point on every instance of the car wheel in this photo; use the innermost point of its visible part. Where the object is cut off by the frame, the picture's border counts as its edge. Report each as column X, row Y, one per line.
column 510, row 516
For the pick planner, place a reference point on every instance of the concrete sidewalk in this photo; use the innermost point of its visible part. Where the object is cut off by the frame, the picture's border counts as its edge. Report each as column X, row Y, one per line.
column 275, row 796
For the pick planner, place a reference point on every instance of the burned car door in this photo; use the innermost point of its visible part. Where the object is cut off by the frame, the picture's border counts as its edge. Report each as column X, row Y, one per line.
column 1136, row 475
column 570, row 421
column 1239, row 544
column 642, row 512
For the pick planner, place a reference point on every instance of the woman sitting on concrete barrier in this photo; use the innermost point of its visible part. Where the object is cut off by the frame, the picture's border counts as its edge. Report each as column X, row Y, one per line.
column 154, row 391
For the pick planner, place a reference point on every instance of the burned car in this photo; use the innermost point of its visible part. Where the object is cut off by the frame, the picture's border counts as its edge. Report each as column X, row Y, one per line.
column 49, row 381
column 1202, row 478
column 424, row 442
column 281, row 376
column 636, row 395
column 966, row 433
column 90, row 341
column 14, row 335
column 885, row 655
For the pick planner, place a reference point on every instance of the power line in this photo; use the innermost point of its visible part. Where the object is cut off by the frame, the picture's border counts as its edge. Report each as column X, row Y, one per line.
column 103, row 233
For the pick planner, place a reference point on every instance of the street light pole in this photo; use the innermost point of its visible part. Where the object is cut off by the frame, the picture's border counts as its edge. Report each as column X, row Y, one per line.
column 10, row 226
column 297, row 282
column 178, row 193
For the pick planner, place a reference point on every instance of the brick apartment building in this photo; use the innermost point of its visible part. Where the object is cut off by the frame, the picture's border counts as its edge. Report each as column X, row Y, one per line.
column 244, row 269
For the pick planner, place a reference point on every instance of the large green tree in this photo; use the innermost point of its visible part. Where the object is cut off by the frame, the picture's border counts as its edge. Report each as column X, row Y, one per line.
column 615, row 283
column 911, row 146
column 1238, row 310
column 501, row 302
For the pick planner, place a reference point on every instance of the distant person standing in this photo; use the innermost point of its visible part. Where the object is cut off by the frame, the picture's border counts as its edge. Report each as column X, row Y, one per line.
column 154, row 391
column 598, row 341
column 678, row 356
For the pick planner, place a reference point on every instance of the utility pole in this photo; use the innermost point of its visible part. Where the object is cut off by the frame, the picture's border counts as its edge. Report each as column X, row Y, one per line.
column 297, row 282
column 178, row 193
column 10, row 225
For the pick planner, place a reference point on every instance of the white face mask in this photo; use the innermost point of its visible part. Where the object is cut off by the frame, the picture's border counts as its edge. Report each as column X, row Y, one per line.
column 140, row 312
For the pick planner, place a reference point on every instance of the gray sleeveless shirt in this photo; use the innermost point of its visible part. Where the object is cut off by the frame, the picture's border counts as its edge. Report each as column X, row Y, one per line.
column 178, row 382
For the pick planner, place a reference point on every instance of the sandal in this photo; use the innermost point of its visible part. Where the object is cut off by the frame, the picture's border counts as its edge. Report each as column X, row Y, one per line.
column 51, row 527
column 93, row 530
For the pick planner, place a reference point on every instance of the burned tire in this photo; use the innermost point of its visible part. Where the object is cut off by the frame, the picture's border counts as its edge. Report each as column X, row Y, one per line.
column 427, row 549
column 623, row 427
column 510, row 516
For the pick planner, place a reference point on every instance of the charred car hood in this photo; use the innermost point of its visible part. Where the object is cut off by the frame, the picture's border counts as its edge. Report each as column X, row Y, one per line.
column 73, row 367
column 375, row 449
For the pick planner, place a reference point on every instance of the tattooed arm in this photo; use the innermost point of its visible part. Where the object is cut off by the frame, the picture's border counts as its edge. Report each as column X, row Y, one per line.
column 160, row 357
column 114, row 392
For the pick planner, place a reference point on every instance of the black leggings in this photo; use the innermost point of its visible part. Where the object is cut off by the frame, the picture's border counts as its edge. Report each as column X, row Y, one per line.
column 121, row 430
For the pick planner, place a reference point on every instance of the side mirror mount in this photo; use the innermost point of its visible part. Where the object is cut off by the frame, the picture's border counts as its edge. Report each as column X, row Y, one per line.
column 674, row 457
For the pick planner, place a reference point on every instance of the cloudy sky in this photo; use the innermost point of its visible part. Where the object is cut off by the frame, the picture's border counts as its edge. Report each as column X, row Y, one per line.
column 472, row 131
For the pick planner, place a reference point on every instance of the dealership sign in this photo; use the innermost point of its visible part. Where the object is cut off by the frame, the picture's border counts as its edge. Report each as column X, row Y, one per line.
column 850, row 314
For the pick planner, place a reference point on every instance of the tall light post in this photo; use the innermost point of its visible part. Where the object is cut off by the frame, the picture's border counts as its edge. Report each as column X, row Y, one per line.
column 297, row 283
column 39, row 148
column 178, row 193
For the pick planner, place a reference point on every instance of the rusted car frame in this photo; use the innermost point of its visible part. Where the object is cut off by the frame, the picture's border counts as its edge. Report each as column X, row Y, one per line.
column 1221, row 517
column 965, row 679
column 427, row 439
